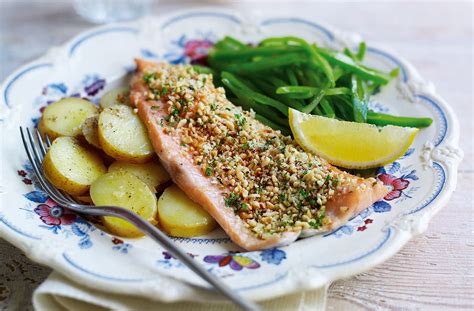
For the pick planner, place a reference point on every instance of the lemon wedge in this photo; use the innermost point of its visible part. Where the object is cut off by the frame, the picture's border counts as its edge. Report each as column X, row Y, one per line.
column 350, row 144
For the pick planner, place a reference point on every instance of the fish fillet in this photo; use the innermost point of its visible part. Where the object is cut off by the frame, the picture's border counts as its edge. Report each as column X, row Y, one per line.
column 260, row 186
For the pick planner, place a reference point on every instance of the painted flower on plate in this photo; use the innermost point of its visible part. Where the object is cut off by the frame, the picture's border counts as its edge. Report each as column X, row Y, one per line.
column 235, row 262
column 396, row 186
column 54, row 215
column 274, row 256
column 197, row 50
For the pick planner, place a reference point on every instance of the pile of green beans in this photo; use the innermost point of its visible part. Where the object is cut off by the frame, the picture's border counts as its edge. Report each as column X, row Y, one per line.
column 284, row 72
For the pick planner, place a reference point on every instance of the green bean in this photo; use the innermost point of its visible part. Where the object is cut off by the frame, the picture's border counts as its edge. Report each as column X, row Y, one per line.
column 301, row 92
column 313, row 105
column 266, row 63
column 287, row 72
column 230, row 80
column 347, row 63
column 273, row 80
column 284, row 130
column 338, row 91
column 317, row 111
column 311, row 50
column 205, row 70
column 268, row 101
column 349, row 53
column 361, row 53
column 246, row 54
column 290, row 72
column 359, row 99
column 276, row 41
column 386, row 119
column 229, row 43
column 395, row 72
column 343, row 107
column 324, row 64
column 268, row 89
column 327, row 109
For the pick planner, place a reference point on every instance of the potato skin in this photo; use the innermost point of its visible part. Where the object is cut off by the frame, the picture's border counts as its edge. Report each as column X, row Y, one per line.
column 181, row 217
column 71, row 167
column 64, row 117
column 123, row 189
column 123, row 136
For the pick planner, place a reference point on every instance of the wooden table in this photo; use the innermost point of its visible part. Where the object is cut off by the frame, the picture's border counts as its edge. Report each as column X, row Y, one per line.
column 433, row 271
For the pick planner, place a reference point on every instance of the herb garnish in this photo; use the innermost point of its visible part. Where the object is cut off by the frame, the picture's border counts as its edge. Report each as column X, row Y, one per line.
column 233, row 200
column 147, row 78
column 317, row 222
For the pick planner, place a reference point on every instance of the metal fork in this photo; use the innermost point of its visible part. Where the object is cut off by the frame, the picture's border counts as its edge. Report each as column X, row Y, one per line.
column 36, row 150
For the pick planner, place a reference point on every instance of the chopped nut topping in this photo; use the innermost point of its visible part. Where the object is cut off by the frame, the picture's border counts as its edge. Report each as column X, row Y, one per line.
column 271, row 183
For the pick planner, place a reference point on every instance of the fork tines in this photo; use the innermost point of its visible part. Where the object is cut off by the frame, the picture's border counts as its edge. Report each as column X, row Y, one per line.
column 36, row 150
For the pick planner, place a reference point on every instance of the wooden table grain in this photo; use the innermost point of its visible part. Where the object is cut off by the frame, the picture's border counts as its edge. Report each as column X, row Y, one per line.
column 434, row 271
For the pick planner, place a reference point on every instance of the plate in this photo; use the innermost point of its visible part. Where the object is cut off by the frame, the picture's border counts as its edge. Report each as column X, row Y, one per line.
column 100, row 59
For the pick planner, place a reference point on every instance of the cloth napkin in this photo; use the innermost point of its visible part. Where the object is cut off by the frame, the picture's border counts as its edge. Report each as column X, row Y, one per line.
column 58, row 293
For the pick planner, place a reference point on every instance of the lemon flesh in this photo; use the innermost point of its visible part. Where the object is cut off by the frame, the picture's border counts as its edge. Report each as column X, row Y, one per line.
column 350, row 144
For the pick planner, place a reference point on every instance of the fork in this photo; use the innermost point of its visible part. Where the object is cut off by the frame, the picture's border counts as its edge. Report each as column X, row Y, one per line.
column 36, row 150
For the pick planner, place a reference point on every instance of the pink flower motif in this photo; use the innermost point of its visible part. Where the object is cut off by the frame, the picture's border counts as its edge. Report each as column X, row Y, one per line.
column 27, row 181
column 22, row 173
column 368, row 221
column 196, row 50
column 397, row 185
column 54, row 215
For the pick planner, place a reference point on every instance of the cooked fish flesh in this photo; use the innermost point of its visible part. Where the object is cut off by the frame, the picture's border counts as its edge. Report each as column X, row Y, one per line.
column 260, row 186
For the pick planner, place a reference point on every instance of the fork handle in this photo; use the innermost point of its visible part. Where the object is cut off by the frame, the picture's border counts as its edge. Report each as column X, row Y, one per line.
column 169, row 245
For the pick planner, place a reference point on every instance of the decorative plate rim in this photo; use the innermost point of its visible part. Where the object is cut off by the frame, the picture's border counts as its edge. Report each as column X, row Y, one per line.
column 445, row 155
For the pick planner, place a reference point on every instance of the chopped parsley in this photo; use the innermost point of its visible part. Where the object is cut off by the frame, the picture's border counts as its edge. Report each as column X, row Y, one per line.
column 245, row 146
column 175, row 112
column 240, row 120
column 148, row 78
column 209, row 171
column 233, row 200
column 328, row 178
column 155, row 107
column 282, row 197
column 304, row 194
column 318, row 222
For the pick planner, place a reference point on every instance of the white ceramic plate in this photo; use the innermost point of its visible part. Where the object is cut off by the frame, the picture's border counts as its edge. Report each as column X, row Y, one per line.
column 101, row 58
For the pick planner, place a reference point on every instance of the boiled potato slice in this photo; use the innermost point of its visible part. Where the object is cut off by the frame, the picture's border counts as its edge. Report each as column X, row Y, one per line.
column 64, row 117
column 151, row 173
column 115, row 97
column 71, row 167
column 123, row 136
column 123, row 189
column 90, row 131
column 181, row 217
